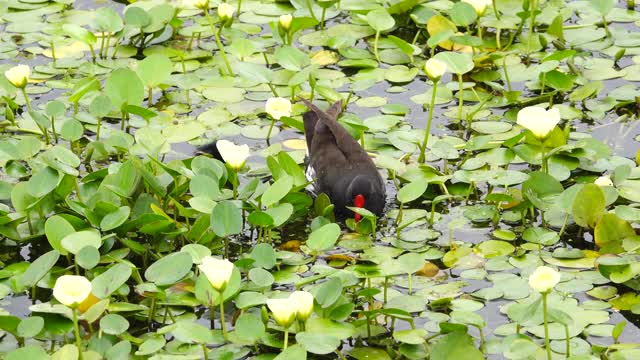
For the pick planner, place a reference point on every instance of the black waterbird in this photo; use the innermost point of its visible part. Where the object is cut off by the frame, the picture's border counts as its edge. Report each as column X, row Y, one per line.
column 342, row 169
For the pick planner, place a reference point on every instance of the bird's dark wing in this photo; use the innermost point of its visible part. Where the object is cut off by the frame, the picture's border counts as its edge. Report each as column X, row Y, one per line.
column 344, row 141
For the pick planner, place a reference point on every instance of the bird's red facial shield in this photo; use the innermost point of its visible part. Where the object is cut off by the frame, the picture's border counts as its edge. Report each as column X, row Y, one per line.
column 358, row 202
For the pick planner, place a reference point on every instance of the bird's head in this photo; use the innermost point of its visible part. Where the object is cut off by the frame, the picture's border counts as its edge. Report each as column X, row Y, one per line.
column 359, row 191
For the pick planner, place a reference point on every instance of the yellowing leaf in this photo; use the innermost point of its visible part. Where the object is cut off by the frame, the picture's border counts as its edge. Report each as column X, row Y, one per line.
column 73, row 50
column 295, row 144
column 438, row 23
column 324, row 57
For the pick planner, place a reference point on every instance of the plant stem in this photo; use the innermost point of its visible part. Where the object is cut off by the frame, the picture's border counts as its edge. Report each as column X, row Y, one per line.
column 532, row 10
column 106, row 49
column 190, row 43
column 239, row 6
column 98, row 129
column 375, row 46
column 427, row 129
column 205, row 351
column 481, row 339
column 93, row 53
column 310, row 8
column 76, row 331
column 460, row 85
column 53, row 52
column 545, row 165
column 374, row 226
column 216, row 34
column 286, row 338
column 26, row 98
column 102, row 39
column 212, row 317
column 567, row 341
column 564, row 225
column 495, row 9
column 222, row 322
column 399, row 220
column 77, row 186
column 152, row 311
column 234, row 184
column 273, row 121
column 606, row 27
column 324, row 12
column 546, row 325
column 386, row 285
column 410, row 283
column 416, row 36
column 53, row 128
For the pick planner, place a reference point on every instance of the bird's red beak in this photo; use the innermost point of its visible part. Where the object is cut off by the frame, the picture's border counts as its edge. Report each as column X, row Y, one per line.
column 358, row 202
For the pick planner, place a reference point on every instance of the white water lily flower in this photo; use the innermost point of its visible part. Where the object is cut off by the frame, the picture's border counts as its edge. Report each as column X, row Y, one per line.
column 303, row 301
column 234, row 155
column 283, row 310
column 435, row 68
column 225, row 11
column 71, row 290
column 544, row 279
column 278, row 107
column 603, row 181
column 18, row 75
column 285, row 21
column 217, row 271
column 479, row 5
column 538, row 120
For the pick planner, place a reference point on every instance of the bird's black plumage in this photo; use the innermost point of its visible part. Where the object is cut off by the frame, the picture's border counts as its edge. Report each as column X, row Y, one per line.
column 211, row 149
column 341, row 167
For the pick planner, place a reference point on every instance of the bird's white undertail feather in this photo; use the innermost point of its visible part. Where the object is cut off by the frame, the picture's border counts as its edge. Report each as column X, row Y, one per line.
column 310, row 174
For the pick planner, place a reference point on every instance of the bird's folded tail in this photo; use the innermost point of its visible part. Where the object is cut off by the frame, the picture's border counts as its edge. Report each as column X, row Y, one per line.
column 345, row 142
column 331, row 113
column 310, row 119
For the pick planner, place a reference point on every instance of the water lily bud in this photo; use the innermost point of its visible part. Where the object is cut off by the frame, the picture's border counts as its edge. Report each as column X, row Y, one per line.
column 538, row 120
column 544, row 279
column 278, row 107
column 198, row 4
column 285, row 21
column 435, row 68
column 217, row 271
column 303, row 301
column 603, row 181
column 234, row 155
column 71, row 290
column 18, row 75
column 283, row 310
column 479, row 5
column 225, row 12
